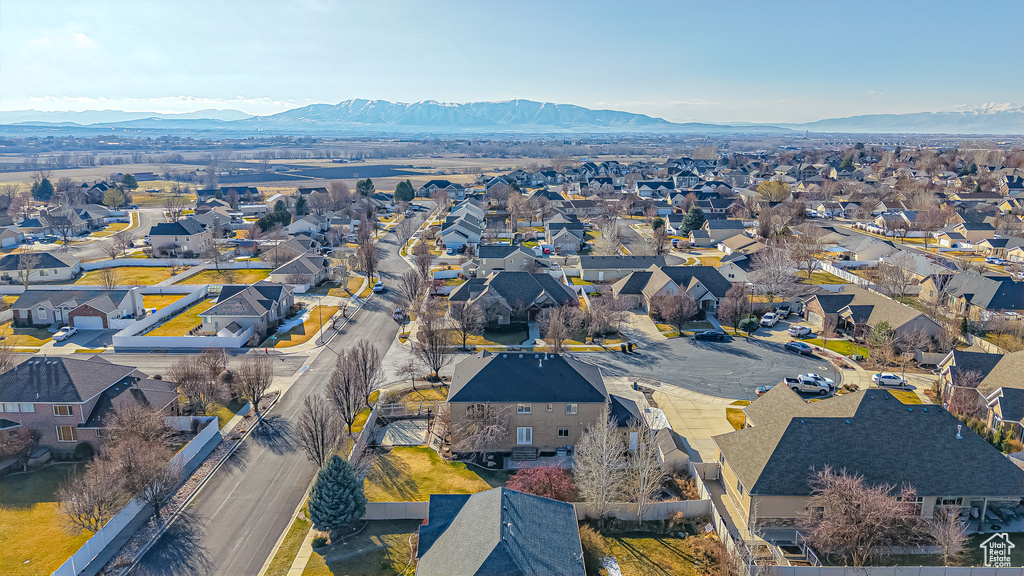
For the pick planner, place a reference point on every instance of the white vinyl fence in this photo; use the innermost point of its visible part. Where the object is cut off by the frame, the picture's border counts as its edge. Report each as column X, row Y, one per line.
column 584, row 510
column 892, row 571
column 94, row 553
column 851, row 278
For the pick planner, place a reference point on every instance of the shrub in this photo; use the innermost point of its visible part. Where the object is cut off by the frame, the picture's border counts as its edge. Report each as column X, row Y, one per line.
column 594, row 550
column 1014, row 446
column 710, row 556
column 84, row 451
column 548, row 481
column 319, row 542
column 685, row 485
column 749, row 324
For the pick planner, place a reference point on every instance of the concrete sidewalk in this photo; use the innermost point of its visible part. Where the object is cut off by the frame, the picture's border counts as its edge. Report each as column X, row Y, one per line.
column 696, row 417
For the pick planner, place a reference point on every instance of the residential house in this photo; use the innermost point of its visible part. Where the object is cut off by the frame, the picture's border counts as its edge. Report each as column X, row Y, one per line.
column 307, row 270
column 980, row 376
column 490, row 258
column 1011, row 185
column 56, row 223
column 856, row 311
column 1015, row 254
column 582, row 208
column 259, row 306
column 972, row 232
column 1006, row 412
column 653, row 189
column 766, row 468
column 740, row 244
column 611, row 268
column 720, row 230
column 311, row 225
column 39, row 266
column 92, row 309
column 11, row 236
column 499, row 532
column 307, row 190
column 186, row 237
column 70, row 401
column 1000, row 247
column 704, row 283
column 94, row 215
column 454, row 191
column 544, row 401
column 508, row 297
column 972, row 295
column 735, row 267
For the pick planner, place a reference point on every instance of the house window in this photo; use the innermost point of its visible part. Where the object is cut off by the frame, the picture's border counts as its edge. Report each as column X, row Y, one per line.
column 915, row 504
column 950, row 501
column 524, row 408
column 739, row 487
column 11, row 407
column 62, row 410
column 551, row 407
column 570, row 408
column 67, row 434
column 98, row 432
column 42, row 272
column 524, row 436
column 27, row 407
column 41, row 312
column 563, row 432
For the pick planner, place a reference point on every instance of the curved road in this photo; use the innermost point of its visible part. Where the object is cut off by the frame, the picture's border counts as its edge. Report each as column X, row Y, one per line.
column 236, row 519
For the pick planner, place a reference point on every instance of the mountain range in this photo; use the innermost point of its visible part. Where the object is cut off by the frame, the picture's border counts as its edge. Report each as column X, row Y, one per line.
column 511, row 116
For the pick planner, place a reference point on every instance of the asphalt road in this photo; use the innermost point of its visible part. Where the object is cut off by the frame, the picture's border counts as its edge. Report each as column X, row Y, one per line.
column 237, row 518
column 725, row 369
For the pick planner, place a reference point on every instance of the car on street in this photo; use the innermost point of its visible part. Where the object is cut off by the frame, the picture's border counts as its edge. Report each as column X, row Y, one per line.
column 711, row 335
column 762, row 390
column 799, row 348
column 797, row 330
column 807, row 386
column 378, row 287
column 994, row 260
column 65, row 333
column 888, row 379
column 770, row 319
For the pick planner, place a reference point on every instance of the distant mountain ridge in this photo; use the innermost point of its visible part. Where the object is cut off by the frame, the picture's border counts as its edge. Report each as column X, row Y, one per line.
column 358, row 115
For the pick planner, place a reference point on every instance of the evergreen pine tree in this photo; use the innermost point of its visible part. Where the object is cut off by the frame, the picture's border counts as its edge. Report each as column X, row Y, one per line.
column 693, row 220
column 404, row 192
column 300, row 206
column 337, row 498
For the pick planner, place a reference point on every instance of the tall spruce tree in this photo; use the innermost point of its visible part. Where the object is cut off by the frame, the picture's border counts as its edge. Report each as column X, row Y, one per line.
column 337, row 498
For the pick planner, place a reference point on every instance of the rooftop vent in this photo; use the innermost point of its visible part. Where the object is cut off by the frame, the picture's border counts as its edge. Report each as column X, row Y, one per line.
column 959, row 427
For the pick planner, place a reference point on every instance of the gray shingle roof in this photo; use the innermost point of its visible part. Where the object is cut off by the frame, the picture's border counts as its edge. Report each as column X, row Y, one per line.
column 185, row 227
column 526, row 377
column 143, row 392
column 1011, row 404
column 496, row 250
column 499, row 532
column 41, row 379
column 620, row 262
column 778, row 457
column 46, row 260
column 72, row 298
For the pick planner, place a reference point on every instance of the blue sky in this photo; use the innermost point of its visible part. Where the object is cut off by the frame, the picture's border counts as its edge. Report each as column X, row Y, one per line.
column 709, row 61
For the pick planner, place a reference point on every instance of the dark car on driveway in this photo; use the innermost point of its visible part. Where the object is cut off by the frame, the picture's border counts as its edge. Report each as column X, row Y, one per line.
column 800, row 348
column 711, row 335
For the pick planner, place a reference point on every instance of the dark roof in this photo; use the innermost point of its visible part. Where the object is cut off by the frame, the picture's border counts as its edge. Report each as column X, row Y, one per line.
column 71, row 297
column 623, row 410
column 833, row 303
column 634, row 283
column 709, row 276
column 499, row 532
column 242, row 300
column 186, row 227
column 143, row 392
column 622, row 262
column 523, row 288
column 526, row 377
column 988, row 292
column 42, row 379
column 496, row 250
column 1011, row 404
column 6, row 424
column 777, row 457
column 46, row 260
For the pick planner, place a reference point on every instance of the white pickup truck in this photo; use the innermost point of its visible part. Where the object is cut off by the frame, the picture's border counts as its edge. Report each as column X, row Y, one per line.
column 810, row 384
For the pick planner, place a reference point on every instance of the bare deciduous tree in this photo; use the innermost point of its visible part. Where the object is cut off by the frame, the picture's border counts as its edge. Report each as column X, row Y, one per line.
column 173, row 207
column 484, row 429
column 674, row 309
column 855, row 521
column 962, row 398
column 806, row 247
column 410, row 288
column 735, row 306
column 254, row 378
column 558, row 324
column 949, row 534
column 466, row 320
column 110, row 249
column 896, row 274
column 366, row 363
column 433, row 338
column 368, row 259
column 773, row 272
column 404, row 231
column 89, row 500
column 599, row 463
column 195, row 384
column 343, row 391
column 19, row 444
column 422, row 259
column 109, row 277
column 610, row 242
column 317, row 429
column 159, row 479
column 645, row 476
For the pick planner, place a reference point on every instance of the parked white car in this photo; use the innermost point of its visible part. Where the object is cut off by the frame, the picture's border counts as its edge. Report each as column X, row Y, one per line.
column 798, row 330
column 818, row 378
column 888, row 379
column 769, row 319
column 65, row 333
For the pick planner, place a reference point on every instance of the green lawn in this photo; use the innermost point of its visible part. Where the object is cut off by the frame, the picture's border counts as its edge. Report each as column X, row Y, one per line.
column 33, row 534
column 24, row 336
column 413, row 473
column 844, row 347
column 819, row 278
column 159, row 301
column 183, row 322
column 142, row 275
column 651, row 554
column 499, row 338
column 380, row 549
column 289, row 548
column 246, row 276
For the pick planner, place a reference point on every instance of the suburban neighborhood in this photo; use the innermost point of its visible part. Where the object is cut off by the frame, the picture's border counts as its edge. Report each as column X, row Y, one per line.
column 504, row 337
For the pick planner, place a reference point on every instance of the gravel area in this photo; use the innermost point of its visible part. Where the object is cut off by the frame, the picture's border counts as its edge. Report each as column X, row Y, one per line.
column 148, row 531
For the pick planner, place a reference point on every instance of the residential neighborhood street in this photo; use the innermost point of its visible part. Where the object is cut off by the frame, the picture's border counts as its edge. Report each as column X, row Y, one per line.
column 248, row 503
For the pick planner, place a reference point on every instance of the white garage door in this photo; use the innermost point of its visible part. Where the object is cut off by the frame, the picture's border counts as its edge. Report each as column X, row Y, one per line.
column 88, row 322
column 9, row 241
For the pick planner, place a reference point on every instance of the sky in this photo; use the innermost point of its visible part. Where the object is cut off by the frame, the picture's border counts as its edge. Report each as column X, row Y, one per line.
column 714, row 61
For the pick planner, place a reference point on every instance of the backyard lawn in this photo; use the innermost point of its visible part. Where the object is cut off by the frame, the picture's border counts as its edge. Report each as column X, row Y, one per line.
column 413, row 473
column 182, row 323
column 225, row 412
column 308, row 329
column 33, row 534
column 142, row 275
column 819, row 278
column 246, row 276
column 650, row 554
column 380, row 549
column 844, row 347
column 160, row 301
column 906, row 396
column 24, row 336
column 735, row 416
column 427, row 394
column 289, row 548
column 498, row 338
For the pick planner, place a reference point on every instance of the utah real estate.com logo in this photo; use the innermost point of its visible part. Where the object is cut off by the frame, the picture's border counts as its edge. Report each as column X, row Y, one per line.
column 997, row 550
